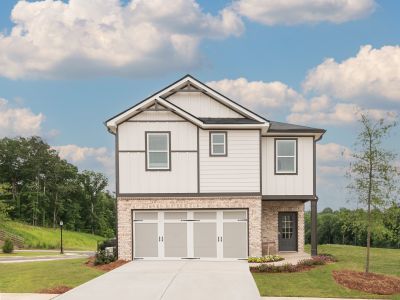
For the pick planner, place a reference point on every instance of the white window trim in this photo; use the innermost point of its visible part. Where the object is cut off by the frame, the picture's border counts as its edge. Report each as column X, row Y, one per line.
column 212, row 144
column 168, row 151
column 294, row 172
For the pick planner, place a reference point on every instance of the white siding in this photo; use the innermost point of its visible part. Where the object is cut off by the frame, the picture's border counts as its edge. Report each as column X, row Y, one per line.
column 301, row 184
column 237, row 172
column 131, row 135
column 156, row 116
column 201, row 105
column 133, row 177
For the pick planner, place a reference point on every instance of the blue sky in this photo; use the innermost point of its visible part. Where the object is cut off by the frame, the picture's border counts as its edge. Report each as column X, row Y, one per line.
column 63, row 93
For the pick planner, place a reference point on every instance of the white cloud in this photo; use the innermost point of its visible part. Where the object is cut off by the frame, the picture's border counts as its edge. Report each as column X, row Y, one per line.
column 257, row 94
column 83, row 37
column 18, row 121
column 290, row 12
column 98, row 159
column 333, row 152
column 372, row 73
column 336, row 114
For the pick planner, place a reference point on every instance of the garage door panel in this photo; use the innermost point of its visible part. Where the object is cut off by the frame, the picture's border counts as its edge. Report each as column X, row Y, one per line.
column 146, row 240
column 175, row 239
column 235, row 240
column 205, row 239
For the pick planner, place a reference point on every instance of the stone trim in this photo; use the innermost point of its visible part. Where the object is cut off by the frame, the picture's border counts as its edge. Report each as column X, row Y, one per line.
column 127, row 204
column 269, row 227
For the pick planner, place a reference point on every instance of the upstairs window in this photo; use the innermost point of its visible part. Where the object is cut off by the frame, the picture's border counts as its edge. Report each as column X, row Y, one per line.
column 218, row 143
column 285, row 156
column 158, row 151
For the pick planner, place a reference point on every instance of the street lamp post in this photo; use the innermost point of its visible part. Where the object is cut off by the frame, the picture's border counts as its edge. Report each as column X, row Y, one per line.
column 61, row 226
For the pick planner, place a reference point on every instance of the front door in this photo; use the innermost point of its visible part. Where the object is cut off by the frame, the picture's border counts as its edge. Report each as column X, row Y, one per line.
column 287, row 231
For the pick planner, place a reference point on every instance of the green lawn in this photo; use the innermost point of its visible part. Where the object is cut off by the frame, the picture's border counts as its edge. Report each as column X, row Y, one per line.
column 30, row 253
column 319, row 281
column 49, row 238
column 35, row 276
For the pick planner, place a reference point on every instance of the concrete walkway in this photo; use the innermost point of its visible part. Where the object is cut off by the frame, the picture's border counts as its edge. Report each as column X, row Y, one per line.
column 22, row 259
column 171, row 280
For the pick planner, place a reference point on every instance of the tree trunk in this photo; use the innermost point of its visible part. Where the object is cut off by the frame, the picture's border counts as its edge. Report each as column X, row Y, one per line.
column 55, row 211
column 92, row 211
column 369, row 205
column 16, row 199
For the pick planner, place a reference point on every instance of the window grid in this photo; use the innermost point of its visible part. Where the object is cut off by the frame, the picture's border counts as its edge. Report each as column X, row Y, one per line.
column 149, row 151
column 287, row 227
column 213, row 153
column 294, row 156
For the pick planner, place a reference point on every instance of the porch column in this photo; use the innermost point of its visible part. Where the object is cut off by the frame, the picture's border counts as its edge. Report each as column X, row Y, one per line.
column 314, row 237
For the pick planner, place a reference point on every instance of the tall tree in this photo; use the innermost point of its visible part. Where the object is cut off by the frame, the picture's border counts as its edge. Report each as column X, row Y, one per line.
column 93, row 185
column 372, row 171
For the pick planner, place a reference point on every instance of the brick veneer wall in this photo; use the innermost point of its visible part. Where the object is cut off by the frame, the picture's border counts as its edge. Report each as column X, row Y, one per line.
column 269, row 223
column 126, row 204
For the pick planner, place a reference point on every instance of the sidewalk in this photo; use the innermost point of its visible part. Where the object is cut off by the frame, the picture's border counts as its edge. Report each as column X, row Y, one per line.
column 22, row 259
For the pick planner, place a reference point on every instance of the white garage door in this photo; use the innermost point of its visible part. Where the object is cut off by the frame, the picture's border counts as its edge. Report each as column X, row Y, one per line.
column 190, row 234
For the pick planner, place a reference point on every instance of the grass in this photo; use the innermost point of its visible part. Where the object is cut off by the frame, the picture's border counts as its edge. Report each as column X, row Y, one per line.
column 36, row 276
column 29, row 254
column 49, row 238
column 319, row 282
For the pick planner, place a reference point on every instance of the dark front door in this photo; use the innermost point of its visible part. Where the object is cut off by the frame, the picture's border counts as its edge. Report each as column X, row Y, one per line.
column 287, row 231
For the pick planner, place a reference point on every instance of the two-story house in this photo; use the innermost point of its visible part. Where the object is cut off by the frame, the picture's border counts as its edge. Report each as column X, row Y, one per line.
column 200, row 176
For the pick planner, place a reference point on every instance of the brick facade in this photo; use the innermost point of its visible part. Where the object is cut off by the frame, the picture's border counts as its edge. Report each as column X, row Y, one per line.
column 269, row 227
column 126, row 204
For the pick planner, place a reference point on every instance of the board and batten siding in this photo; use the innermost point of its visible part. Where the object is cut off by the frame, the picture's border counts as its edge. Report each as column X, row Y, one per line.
column 239, row 171
column 131, row 135
column 201, row 105
column 300, row 184
column 133, row 177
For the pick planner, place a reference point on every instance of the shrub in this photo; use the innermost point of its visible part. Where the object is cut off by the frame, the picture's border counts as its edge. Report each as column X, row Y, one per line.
column 265, row 259
column 8, row 246
column 328, row 257
column 277, row 269
column 107, row 243
column 103, row 257
column 300, row 266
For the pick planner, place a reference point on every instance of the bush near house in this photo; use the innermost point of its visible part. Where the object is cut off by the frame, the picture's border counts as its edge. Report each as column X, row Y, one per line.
column 265, row 259
column 303, row 265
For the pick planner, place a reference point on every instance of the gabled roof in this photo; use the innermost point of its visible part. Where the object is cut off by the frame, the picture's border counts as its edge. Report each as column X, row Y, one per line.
column 286, row 127
column 190, row 84
column 160, row 97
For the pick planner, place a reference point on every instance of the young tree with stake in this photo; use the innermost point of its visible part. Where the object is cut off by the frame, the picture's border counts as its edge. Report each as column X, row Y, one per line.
column 373, row 173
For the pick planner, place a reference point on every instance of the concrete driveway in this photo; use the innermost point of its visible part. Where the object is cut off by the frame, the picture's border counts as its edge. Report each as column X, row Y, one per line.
column 171, row 280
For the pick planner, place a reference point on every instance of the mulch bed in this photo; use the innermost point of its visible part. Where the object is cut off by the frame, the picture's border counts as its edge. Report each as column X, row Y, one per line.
column 368, row 282
column 107, row 267
column 56, row 290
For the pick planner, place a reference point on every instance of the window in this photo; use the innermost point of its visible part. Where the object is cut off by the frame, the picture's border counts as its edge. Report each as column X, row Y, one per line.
column 218, row 144
column 158, row 150
column 287, row 227
column 286, row 156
